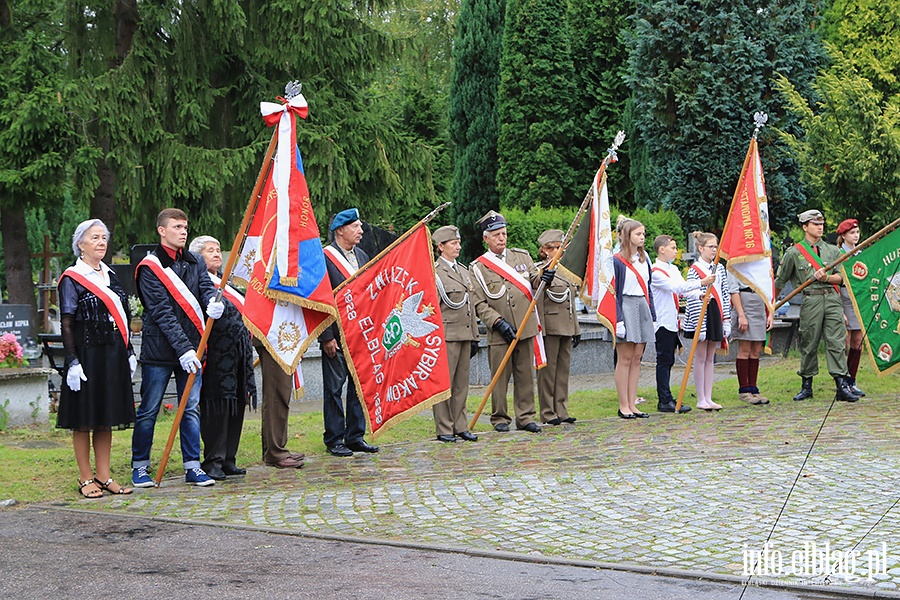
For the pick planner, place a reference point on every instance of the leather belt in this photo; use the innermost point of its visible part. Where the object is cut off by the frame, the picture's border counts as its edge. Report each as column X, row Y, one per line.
column 819, row 291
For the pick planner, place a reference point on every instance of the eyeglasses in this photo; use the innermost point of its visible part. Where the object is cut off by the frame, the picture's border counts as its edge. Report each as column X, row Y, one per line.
column 711, row 246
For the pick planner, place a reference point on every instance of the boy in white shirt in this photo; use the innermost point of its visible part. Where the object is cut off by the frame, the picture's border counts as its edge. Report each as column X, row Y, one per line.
column 666, row 286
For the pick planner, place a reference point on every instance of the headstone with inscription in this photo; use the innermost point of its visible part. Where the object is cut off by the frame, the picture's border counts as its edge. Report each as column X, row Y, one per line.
column 16, row 318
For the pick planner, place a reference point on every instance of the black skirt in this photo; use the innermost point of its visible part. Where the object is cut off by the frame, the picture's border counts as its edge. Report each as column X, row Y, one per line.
column 105, row 401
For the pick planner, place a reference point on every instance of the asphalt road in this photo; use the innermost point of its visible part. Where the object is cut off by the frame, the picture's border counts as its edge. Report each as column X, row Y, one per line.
column 60, row 554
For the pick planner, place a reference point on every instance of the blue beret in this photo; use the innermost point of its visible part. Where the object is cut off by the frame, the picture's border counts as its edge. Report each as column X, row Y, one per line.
column 344, row 217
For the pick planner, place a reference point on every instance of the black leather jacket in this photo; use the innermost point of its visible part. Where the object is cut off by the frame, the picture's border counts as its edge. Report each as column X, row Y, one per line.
column 168, row 332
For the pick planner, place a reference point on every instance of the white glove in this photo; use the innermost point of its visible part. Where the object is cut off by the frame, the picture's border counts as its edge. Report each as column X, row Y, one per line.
column 620, row 329
column 702, row 337
column 215, row 309
column 727, row 330
column 74, row 376
column 190, row 362
column 132, row 364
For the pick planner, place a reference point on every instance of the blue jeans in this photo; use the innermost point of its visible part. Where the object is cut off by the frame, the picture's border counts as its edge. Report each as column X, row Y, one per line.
column 154, row 379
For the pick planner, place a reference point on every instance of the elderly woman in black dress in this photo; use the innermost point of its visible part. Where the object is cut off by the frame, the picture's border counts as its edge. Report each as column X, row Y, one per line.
column 229, row 358
column 96, row 395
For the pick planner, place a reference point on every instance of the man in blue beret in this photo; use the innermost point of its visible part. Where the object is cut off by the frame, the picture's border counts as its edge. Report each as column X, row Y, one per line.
column 343, row 432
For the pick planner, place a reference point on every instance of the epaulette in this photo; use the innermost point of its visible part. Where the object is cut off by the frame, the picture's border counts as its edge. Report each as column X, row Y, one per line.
column 520, row 250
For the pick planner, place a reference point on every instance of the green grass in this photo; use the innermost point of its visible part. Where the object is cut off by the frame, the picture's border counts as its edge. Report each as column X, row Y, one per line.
column 38, row 464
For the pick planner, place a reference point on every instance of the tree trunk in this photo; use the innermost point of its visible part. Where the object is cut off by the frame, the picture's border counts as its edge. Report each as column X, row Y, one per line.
column 103, row 203
column 19, row 283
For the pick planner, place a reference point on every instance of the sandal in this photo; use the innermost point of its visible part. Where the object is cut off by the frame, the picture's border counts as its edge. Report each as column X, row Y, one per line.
column 107, row 486
column 94, row 493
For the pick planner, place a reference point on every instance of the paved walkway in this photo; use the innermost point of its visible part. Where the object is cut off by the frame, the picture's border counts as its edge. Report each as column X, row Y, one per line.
column 698, row 492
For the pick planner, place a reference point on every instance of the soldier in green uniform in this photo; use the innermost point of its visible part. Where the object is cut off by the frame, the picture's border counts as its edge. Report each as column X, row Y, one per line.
column 504, row 281
column 822, row 313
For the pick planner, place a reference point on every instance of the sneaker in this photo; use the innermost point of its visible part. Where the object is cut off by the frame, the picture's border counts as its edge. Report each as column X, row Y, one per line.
column 198, row 477
column 140, row 478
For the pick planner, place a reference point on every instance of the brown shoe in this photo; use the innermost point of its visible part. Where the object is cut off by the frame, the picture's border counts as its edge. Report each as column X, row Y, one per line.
column 298, row 455
column 760, row 399
column 287, row 463
column 747, row 397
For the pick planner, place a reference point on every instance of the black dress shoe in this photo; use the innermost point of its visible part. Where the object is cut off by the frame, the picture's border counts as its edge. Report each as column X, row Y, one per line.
column 532, row 428
column 569, row 420
column 626, row 416
column 450, row 439
column 233, row 470
column 340, row 450
column 641, row 415
column 501, row 427
column 215, row 473
column 362, row 446
column 468, row 436
column 554, row 422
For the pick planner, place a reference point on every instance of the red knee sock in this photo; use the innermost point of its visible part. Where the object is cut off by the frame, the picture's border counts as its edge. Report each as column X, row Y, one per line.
column 752, row 371
column 743, row 369
column 853, row 361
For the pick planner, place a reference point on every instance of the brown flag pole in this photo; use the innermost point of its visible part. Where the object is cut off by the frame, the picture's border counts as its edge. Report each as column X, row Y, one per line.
column 610, row 156
column 760, row 118
column 852, row 252
column 226, row 275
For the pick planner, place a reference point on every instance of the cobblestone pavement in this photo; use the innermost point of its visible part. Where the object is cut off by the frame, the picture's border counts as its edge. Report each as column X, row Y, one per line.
column 696, row 492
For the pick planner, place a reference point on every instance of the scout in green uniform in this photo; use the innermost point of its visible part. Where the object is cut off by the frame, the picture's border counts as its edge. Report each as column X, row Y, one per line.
column 822, row 313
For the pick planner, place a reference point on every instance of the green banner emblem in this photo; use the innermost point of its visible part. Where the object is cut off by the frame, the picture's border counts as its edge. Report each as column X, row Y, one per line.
column 873, row 278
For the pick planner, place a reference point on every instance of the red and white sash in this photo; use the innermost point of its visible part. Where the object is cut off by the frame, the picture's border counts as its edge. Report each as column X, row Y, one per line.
column 176, row 287
column 674, row 295
column 501, row 268
column 637, row 275
column 715, row 292
column 234, row 296
column 340, row 261
column 109, row 298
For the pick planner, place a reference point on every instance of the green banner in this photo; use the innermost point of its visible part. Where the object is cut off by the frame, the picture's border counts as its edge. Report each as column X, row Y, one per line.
column 873, row 278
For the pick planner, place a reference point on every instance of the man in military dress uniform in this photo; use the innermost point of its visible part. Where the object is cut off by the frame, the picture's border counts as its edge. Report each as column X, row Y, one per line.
column 561, row 330
column 458, row 314
column 503, row 291
column 822, row 312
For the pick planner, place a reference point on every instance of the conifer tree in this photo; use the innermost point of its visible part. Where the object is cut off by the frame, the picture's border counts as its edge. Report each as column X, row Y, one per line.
column 599, row 58
column 534, row 107
column 699, row 70
column 473, row 116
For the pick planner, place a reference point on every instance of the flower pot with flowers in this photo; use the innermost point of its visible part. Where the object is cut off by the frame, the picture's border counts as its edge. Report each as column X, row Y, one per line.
column 136, row 309
column 11, row 355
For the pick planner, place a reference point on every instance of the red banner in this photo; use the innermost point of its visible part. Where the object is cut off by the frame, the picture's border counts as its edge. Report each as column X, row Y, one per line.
column 393, row 333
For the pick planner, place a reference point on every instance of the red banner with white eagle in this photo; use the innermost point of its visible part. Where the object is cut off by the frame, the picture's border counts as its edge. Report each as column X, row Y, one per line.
column 393, row 335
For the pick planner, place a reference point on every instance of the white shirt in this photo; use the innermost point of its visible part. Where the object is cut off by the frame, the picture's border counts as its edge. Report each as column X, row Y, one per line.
column 631, row 286
column 664, row 284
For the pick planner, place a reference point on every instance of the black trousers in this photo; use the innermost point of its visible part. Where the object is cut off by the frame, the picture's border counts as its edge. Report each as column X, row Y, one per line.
column 666, row 343
column 346, row 428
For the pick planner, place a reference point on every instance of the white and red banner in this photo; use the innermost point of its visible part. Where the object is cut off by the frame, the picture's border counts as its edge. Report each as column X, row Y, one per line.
column 393, row 335
column 599, row 280
column 80, row 272
column 182, row 295
column 746, row 243
column 289, row 301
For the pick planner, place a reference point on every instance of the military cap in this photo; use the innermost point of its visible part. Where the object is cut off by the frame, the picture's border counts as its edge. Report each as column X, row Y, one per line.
column 492, row 221
column 846, row 225
column 811, row 216
column 445, row 234
column 551, row 236
column 345, row 217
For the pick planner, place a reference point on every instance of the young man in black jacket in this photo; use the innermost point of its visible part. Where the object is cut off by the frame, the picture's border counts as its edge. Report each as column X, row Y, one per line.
column 172, row 284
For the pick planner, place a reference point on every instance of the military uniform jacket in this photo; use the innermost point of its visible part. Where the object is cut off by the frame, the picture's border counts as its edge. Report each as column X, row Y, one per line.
column 495, row 297
column 796, row 269
column 556, row 306
column 457, row 307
